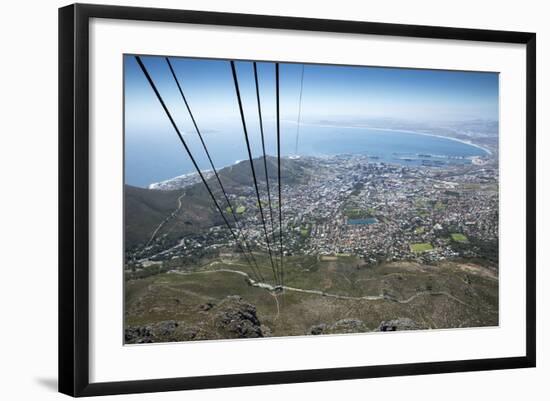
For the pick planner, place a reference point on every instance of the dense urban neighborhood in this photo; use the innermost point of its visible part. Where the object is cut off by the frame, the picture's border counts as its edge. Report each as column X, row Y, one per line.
column 350, row 205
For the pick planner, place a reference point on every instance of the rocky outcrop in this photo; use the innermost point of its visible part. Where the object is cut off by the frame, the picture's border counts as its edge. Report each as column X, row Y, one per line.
column 233, row 317
column 399, row 325
column 317, row 329
column 340, row 327
column 237, row 318
column 165, row 331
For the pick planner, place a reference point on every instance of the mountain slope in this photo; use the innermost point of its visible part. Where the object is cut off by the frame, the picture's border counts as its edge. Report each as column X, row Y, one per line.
column 178, row 211
column 174, row 213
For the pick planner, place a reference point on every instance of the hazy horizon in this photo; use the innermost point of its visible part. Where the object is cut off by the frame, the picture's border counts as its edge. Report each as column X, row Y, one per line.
column 403, row 99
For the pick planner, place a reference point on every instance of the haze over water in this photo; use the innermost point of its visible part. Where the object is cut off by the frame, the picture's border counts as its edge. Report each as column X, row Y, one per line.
column 144, row 166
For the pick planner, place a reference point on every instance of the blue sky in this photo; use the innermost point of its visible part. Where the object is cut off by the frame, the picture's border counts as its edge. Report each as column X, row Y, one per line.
column 329, row 93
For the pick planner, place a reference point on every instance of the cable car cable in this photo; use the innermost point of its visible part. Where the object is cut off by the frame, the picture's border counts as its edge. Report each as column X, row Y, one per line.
column 238, row 93
column 231, row 209
column 169, row 115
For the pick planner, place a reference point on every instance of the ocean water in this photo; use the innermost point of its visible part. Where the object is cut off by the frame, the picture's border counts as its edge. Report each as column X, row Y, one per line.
column 152, row 157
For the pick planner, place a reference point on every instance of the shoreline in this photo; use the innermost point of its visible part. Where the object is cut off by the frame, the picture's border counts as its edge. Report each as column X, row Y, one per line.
column 405, row 131
column 155, row 185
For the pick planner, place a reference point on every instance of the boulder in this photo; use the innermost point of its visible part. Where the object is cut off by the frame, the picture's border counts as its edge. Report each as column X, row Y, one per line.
column 317, row 329
column 399, row 325
column 233, row 317
column 237, row 318
column 339, row 327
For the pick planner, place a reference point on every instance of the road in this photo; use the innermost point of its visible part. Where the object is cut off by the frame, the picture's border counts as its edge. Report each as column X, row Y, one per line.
column 380, row 297
column 166, row 220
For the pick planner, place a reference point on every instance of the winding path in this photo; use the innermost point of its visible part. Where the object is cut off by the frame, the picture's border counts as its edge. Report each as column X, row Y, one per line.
column 381, row 297
column 168, row 218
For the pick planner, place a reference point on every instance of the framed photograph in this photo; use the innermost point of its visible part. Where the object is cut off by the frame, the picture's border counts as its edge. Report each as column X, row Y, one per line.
column 250, row 199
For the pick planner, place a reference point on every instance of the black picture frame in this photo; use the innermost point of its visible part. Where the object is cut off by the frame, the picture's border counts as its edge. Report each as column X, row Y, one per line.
column 74, row 202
